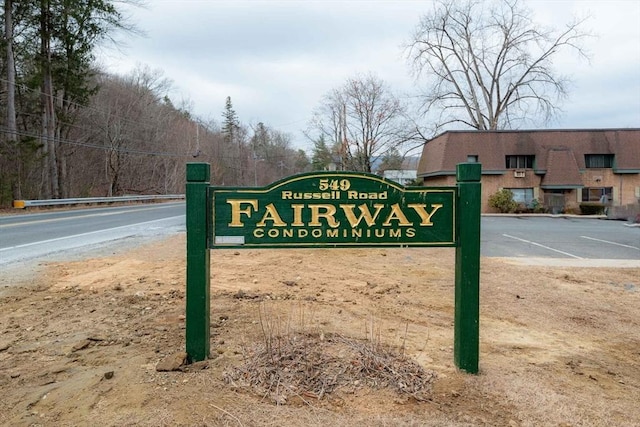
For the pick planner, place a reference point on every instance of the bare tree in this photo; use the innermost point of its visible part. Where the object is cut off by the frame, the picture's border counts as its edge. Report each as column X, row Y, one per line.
column 130, row 121
column 491, row 65
column 364, row 119
column 272, row 157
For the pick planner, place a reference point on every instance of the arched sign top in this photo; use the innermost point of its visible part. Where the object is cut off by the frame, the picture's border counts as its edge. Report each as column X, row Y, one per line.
column 332, row 209
column 325, row 174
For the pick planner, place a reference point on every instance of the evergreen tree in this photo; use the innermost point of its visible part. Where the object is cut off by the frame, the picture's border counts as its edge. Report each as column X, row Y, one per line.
column 54, row 43
column 321, row 154
column 391, row 160
column 233, row 141
column 230, row 123
column 260, row 141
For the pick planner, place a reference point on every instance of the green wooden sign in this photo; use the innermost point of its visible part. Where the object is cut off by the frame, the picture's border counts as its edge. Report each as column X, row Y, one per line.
column 336, row 209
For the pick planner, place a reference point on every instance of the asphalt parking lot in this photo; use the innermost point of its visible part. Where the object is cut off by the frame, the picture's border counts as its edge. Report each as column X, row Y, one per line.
column 559, row 237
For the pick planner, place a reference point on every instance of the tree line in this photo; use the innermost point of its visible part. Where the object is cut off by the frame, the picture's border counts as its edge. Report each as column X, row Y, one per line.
column 69, row 129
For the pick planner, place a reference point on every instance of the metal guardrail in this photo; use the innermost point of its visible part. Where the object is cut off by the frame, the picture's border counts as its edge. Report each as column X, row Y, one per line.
column 21, row 204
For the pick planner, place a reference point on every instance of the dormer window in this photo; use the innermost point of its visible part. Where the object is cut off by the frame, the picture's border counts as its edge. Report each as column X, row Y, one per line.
column 598, row 161
column 519, row 162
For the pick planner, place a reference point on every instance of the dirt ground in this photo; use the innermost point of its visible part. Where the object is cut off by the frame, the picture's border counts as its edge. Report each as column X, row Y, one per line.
column 80, row 342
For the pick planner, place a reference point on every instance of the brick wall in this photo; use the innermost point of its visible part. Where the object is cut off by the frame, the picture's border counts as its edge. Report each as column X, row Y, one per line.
column 626, row 187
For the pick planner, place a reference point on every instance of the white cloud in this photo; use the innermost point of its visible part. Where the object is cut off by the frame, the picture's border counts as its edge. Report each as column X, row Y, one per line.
column 277, row 58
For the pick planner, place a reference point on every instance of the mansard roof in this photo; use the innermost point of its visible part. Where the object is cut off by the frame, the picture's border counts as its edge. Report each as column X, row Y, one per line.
column 554, row 151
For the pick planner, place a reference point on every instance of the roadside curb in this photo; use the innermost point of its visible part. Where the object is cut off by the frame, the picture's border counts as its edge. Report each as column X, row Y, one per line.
column 571, row 262
column 561, row 216
column 545, row 215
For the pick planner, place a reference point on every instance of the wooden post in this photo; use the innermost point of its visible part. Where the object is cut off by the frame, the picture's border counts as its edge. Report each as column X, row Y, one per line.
column 198, row 262
column 467, row 276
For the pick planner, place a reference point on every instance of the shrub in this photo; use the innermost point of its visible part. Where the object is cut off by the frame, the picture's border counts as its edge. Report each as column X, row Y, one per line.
column 538, row 207
column 503, row 201
column 591, row 208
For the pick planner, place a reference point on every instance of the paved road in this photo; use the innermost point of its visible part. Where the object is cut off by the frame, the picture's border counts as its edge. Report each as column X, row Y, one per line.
column 29, row 236
column 559, row 237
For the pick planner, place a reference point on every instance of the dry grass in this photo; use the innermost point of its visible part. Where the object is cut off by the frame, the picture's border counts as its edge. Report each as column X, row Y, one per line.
column 293, row 362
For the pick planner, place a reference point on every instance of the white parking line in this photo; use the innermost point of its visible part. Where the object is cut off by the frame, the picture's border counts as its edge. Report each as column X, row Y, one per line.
column 543, row 246
column 611, row 243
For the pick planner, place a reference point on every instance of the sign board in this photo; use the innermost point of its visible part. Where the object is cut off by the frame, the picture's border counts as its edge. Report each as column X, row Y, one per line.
column 335, row 209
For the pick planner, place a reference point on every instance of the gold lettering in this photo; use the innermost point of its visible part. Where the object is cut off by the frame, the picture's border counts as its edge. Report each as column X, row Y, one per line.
column 424, row 215
column 366, row 196
column 258, row 232
column 316, row 232
column 271, row 214
column 237, row 211
column 328, row 215
column 364, row 214
column 297, row 216
column 395, row 233
column 356, row 232
column 411, row 232
column 273, row 232
column 332, row 233
column 288, row 232
column 303, row 232
column 286, row 195
column 397, row 214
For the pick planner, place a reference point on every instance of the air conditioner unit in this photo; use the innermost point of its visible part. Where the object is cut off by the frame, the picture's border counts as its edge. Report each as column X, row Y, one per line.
column 518, row 173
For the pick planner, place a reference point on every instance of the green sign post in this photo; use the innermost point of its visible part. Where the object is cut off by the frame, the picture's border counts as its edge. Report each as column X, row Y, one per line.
column 335, row 209
column 466, row 342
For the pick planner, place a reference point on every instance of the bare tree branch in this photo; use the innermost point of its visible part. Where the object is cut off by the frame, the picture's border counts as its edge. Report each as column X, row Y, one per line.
column 489, row 64
column 363, row 120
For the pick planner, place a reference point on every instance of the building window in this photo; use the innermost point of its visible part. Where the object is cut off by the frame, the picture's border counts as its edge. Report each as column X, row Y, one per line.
column 594, row 194
column 598, row 160
column 472, row 158
column 522, row 195
column 519, row 162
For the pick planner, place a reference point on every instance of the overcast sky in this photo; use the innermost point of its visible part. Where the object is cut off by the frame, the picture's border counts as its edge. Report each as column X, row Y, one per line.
column 276, row 59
